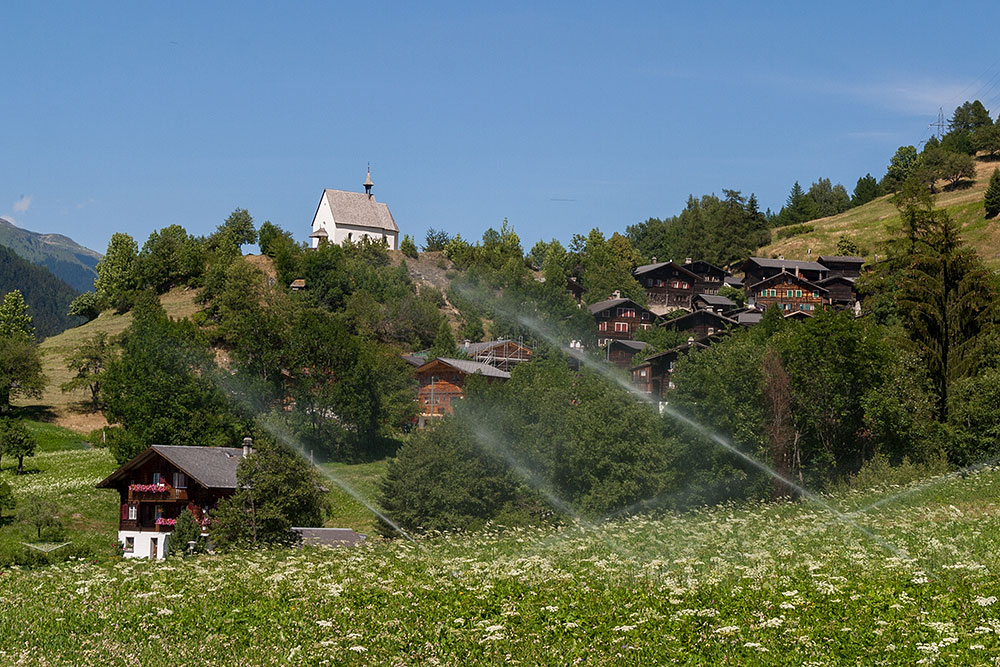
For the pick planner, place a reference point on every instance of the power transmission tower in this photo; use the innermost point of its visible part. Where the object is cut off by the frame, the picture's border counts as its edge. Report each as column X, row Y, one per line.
column 940, row 123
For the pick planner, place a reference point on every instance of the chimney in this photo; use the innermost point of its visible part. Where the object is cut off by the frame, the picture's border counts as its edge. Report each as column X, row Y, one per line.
column 797, row 271
column 781, row 257
column 247, row 447
column 654, row 260
column 687, row 260
column 617, row 294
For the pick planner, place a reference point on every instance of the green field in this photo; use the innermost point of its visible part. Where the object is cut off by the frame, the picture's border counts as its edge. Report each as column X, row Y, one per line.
column 770, row 583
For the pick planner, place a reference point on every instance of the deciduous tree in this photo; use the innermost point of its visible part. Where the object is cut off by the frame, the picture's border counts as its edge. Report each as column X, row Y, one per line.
column 16, row 440
column 118, row 272
column 15, row 321
column 88, row 363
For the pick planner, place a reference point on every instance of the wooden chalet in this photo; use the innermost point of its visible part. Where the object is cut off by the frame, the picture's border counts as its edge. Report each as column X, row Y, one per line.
column 668, row 285
column 618, row 318
column 574, row 289
column 621, row 353
column 441, row 381
column 842, row 265
column 757, row 269
column 502, row 353
column 163, row 480
column 710, row 277
column 789, row 291
column 713, row 302
column 700, row 323
column 798, row 315
column 652, row 375
column 840, row 290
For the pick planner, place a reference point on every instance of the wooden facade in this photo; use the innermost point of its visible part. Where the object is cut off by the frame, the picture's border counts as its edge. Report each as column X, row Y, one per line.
column 840, row 290
column 618, row 319
column 700, row 323
column 842, row 265
column 441, row 383
column 757, row 269
column 713, row 302
column 621, row 353
column 668, row 285
column 652, row 375
column 710, row 277
column 789, row 292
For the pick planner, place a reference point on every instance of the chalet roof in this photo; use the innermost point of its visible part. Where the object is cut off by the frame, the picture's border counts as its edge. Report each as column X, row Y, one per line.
column 212, row 467
column 785, row 275
column 601, row 306
column 702, row 263
column 329, row 536
column 715, row 300
column 469, row 367
column 477, row 348
column 836, row 279
column 360, row 210
column 798, row 315
column 786, row 264
column 414, row 360
column 733, row 281
column 683, row 320
column 637, row 345
column 749, row 317
column 646, row 268
column 700, row 344
column 841, row 259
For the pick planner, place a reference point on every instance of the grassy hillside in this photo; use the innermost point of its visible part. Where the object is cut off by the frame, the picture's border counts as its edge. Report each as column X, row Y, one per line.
column 72, row 410
column 872, row 224
column 777, row 584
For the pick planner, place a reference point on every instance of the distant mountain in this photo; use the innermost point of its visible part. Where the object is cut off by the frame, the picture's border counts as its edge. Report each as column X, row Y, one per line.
column 61, row 255
column 47, row 296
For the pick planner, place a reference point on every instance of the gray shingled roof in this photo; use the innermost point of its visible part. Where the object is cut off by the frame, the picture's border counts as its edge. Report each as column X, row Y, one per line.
column 357, row 208
column 600, row 306
column 473, row 367
column 788, row 264
column 646, row 268
column 785, row 275
column 633, row 344
column 715, row 300
column 212, row 467
column 843, row 259
column 834, row 279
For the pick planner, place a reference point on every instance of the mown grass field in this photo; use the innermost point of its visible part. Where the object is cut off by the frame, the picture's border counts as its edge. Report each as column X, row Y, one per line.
column 871, row 225
column 776, row 583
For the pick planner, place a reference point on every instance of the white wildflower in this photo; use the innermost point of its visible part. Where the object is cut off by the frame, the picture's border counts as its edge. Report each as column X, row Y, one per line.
column 986, row 602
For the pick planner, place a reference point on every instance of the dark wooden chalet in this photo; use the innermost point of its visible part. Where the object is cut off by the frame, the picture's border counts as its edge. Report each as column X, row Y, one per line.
column 617, row 319
column 840, row 290
column 710, row 277
column 789, row 291
column 757, row 269
column 159, row 483
column 621, row 353
column 842, row 265
column 574, row 289
column 714, row 302
column 441, row 381
column 668, row 285
column 652, row 375
column 502, row 353
column 700, row 323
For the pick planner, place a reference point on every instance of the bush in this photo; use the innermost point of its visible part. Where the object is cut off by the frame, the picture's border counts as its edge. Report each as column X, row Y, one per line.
column 122, row 444
column 408, row 247
column 793, row 230
column 185, row 531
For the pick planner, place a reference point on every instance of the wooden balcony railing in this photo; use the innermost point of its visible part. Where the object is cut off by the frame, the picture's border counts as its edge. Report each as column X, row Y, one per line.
column 169, row 494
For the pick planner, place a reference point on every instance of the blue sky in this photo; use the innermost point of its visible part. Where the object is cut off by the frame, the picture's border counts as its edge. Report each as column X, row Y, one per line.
column 560, row 117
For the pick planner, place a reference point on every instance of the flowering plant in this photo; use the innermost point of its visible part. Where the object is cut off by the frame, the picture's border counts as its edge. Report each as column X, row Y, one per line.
column 166, row 522
column 149, row 488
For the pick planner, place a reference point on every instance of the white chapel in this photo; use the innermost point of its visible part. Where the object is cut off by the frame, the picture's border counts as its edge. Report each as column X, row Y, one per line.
column 350, row 216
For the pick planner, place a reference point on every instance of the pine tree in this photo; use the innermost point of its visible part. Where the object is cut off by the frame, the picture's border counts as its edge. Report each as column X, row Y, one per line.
column 444, row 343
column 992, row 201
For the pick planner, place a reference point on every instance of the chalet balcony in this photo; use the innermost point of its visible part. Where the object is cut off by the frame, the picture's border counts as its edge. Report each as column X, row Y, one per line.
column 155, row 493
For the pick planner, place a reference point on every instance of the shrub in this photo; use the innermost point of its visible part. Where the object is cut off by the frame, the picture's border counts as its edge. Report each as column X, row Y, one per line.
column 408, row 247
column 793, row 230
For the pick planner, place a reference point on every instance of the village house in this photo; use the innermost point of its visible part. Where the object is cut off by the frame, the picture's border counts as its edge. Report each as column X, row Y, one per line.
column 621, row 353
column 163, row 481
column 713, row 302
column 710, row 277
column 789, row 291
column 502, row 353
column 652, row 375
column 441, row 383
column 842, row 265
column 574, row 289
column 840, row 290
column 756, row 269
column 668, row 285
column 618, row 319
column 351, row 216
column 700, row 323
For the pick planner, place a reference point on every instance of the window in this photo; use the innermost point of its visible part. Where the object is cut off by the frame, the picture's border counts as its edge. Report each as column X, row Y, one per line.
column 133, row 512
column 684, row 285
column 159, row 512
column 621, row 327
column 180, row 480
column 798, row 293
column 157, row 478
column 815, row 295
column 660, row 282
column 789, row 293
column 602, row 325
column 646, row 326
column 129, row 545
column 649, row 282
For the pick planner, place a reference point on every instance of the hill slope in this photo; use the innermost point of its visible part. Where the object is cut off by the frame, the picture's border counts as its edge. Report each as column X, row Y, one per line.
column 60, row 254
column 47, row 296
column 871, row 225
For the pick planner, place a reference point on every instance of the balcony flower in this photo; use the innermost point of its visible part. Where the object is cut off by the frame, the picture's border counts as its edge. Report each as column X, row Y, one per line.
column 166, row 522
column 149, row 488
